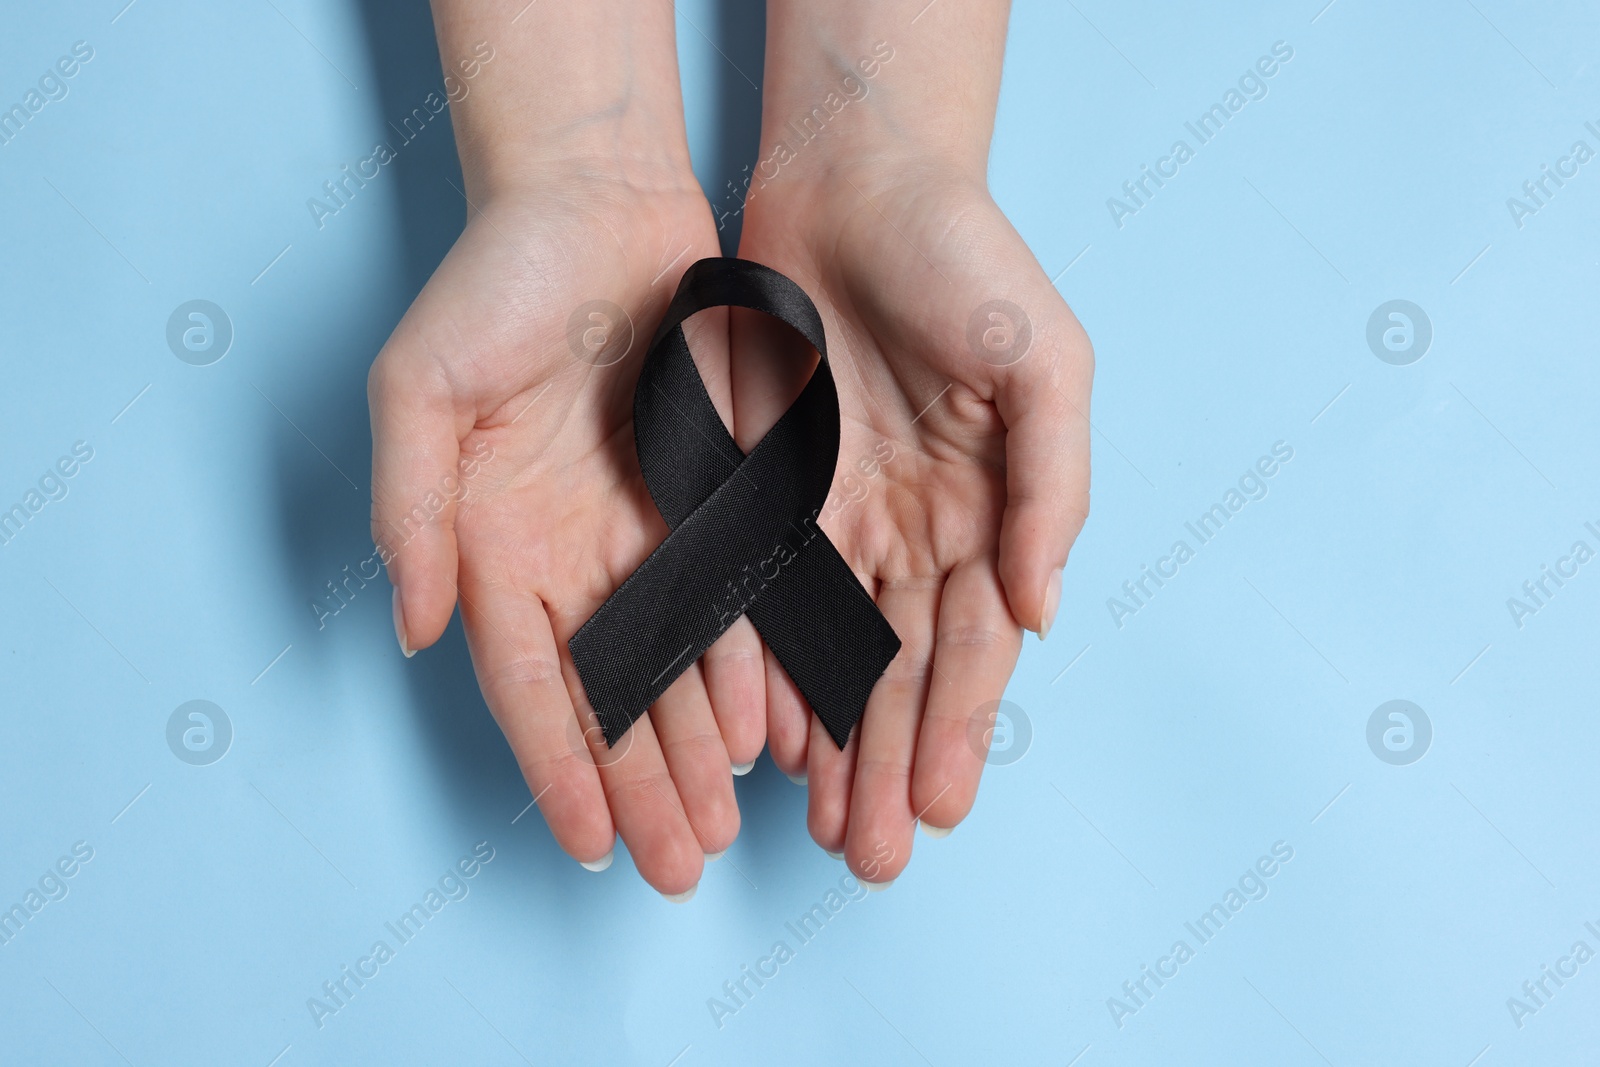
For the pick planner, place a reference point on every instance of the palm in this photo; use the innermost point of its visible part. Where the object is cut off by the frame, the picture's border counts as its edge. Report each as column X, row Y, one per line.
column 486, row 366
column 931, row 500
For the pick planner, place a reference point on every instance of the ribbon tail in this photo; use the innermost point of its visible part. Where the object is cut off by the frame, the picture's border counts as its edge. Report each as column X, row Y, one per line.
column 827, row 633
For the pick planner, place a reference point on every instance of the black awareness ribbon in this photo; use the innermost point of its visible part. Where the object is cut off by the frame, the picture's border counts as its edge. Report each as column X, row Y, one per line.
column 744, row 537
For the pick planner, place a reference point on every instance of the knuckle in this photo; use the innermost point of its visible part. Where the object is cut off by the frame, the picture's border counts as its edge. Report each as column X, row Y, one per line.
column 698, row 749
column 908, row 670
column 523, row 672
column 976, row 636
column 383, row 382
column 730, row 651
column 551, row 767
column 1076, row 516
column 643, row 791
column 894, row 770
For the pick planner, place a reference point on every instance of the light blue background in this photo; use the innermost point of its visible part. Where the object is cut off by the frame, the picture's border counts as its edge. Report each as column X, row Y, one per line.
column 1228, row 714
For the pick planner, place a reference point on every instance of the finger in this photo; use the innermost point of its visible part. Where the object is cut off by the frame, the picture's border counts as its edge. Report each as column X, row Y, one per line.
column 647, row 808
column 1044, row 402
column 829, row 773
column 698, row 761
column 878, row 841
column 707, row 335
column 975, row 649
column 736, row 681
column 520, row 673
column 416, row 453
column 788, row 721
column 769, row 366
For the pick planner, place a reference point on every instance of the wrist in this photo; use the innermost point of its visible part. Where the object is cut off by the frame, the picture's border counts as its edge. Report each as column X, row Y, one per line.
column 842, row 148
column 496, row 167
column 530, row 106
column 820, row 201
column 853, row 87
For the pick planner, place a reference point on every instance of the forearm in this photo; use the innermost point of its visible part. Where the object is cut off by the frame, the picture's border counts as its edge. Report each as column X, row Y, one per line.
column 569, row 88
column 851, row 81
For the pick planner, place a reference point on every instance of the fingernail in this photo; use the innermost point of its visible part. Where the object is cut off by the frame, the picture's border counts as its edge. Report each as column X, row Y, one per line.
column 400, row 625
column 712, row 857
column 936, row 831
column 683, row 897
column 1052, row 601
column 743, row 768
column 600, row 864
column 878, row 887
column 835, row 855
column 797, row 779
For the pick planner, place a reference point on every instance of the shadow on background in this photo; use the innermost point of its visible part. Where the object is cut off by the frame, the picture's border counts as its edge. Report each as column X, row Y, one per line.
column 740, row 34
column 475, row 767
column 318, row 380
column 767, row 800
column 405, row 59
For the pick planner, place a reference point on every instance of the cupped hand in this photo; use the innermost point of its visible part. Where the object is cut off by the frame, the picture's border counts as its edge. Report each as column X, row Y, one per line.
column 504, row 477
column 963, row 474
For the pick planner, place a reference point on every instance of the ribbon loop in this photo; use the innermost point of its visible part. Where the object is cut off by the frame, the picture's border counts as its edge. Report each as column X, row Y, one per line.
column 744, row 540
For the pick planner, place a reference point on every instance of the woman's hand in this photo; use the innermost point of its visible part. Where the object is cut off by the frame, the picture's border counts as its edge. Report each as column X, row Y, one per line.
column 963, row 471
column 515, row 367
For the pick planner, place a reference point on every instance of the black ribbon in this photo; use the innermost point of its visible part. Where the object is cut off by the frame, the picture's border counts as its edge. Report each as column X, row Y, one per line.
column 744, row 537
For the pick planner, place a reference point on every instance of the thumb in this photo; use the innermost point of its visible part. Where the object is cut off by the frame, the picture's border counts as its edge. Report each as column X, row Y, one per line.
column 1044, row 401
column 416, row 485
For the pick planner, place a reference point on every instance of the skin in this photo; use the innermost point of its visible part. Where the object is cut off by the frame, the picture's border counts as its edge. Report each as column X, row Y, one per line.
column 578, row 181
column 887, row 221
column 579, row 186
